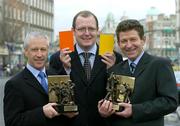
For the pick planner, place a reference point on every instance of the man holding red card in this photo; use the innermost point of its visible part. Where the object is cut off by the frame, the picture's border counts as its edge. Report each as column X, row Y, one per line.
column 87, row 69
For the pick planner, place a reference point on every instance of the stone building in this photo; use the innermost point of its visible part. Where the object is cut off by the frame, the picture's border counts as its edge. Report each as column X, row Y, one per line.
column 18, row 17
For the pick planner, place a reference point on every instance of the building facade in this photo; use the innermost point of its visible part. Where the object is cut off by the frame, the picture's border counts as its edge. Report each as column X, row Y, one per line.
column 22, row 17
column 178, row 20
column 160, row 31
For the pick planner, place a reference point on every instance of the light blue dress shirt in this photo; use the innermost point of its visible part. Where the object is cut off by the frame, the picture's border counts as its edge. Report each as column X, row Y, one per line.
column 35, row 72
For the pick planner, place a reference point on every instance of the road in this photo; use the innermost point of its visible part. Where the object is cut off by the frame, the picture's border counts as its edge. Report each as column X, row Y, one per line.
column 170, row 120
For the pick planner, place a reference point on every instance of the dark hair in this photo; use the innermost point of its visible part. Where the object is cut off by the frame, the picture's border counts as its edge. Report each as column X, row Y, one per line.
column 84, row 13
column 130, row 24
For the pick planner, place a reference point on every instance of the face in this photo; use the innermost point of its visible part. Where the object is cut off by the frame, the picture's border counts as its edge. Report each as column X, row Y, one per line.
column 37, row 52
column 130, row 43
column 86, row 31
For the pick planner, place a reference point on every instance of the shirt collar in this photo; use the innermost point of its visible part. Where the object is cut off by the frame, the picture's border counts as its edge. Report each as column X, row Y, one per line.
column 34, row 71
column 92, row 50
column 136, row 61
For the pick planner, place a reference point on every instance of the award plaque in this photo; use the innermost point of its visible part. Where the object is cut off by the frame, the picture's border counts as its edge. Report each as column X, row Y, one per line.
column 119, row 88
column 61, row 91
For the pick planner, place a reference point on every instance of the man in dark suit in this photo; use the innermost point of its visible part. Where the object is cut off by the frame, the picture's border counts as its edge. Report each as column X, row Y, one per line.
column 89, row 87
column 155, row 93
column 25, row 94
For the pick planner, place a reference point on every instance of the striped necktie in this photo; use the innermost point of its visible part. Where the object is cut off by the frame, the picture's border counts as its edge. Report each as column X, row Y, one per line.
column 87, row 65
column 132, row 67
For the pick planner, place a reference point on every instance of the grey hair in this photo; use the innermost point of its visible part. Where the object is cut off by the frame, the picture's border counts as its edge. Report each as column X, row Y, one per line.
column 31, row 35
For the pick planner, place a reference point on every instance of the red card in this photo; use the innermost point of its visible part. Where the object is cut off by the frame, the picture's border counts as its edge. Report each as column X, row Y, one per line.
column 66, row 40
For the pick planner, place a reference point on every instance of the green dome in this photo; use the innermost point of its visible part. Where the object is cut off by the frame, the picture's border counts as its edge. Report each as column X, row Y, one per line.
column 153, row 11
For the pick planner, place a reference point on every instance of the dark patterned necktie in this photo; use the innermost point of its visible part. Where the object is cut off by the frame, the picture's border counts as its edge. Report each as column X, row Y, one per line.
column 87, row 65
column 132, row 67
column 43, row 81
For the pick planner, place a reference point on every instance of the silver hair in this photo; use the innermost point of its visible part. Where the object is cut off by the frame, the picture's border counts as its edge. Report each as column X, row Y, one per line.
column 31, row 35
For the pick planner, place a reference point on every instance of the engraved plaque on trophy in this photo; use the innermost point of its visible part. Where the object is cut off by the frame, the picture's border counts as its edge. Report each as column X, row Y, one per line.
column 119, row 88
column 61, row 91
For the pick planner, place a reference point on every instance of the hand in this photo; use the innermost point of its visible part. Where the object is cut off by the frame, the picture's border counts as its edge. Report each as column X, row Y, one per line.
column 49, row 111
column 65, row 58
column 105, row 108
column 71, row 114
column 127, row 112
column 109, row 59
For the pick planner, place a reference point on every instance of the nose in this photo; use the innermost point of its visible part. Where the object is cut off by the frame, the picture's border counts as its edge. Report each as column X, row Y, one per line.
column 39, row 53
column 128, row 44
column 86, row 31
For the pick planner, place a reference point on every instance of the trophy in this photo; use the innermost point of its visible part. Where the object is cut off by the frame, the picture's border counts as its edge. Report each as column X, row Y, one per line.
column 119, row 88
column 61, row 91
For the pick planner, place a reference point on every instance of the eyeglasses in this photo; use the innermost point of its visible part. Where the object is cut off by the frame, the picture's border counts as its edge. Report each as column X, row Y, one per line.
column 84, row 29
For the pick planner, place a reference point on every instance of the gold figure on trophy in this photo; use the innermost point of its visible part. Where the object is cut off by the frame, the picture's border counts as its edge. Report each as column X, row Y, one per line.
column 61, row 91
column 119, row 89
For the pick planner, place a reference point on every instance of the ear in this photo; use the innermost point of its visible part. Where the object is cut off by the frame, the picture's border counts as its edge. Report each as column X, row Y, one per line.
column 25, row 52
column 144, row 40
column 98, row 32
column 72, row 29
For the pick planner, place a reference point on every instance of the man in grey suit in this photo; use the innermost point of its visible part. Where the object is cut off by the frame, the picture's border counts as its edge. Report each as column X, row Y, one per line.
column 155, row 92
column 25, row 95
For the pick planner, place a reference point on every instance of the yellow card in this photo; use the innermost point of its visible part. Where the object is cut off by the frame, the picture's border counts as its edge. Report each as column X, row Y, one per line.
column 106, row 43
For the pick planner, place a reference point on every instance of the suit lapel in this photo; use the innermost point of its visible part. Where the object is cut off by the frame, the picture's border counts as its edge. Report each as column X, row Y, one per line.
column 125, row 68
column 77, row 66
column 142, row 64
column 98, row 65
column 32, row 81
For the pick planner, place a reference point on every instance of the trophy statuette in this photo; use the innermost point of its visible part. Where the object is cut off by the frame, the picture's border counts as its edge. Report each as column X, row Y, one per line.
column 61, row 91
column 119, row 88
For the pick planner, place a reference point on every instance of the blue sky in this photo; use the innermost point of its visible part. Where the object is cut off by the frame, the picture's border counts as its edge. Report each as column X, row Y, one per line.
column 65, row 9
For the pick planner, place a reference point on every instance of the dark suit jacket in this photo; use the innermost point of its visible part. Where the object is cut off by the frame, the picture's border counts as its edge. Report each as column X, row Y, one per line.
column 155, row 92
column 87, row 94
column 23, row 101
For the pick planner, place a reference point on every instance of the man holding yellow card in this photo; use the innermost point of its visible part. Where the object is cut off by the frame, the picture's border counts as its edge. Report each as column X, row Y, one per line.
column 87, row 69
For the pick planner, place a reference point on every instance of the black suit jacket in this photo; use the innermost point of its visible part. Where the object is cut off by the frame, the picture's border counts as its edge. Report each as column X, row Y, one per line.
column 155, row 92
column 23, row 101
column 87, row 94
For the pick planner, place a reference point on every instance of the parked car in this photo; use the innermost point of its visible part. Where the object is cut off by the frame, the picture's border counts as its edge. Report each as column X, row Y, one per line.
column 177, row 75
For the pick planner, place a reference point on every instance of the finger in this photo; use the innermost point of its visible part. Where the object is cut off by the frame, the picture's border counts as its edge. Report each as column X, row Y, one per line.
column 67, row 59
column 123, row 104
column 54, row 112
column 106, row 105
column 65, row 51
column 109, row 54
column 52, row 104
column 111, row 110
column 100, row 103
column 106, row 62
column 105, row 57
column 109, row 59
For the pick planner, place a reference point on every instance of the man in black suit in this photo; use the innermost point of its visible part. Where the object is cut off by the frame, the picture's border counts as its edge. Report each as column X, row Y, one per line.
column 155, row 92
column 89, row 87
column 25, row 99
